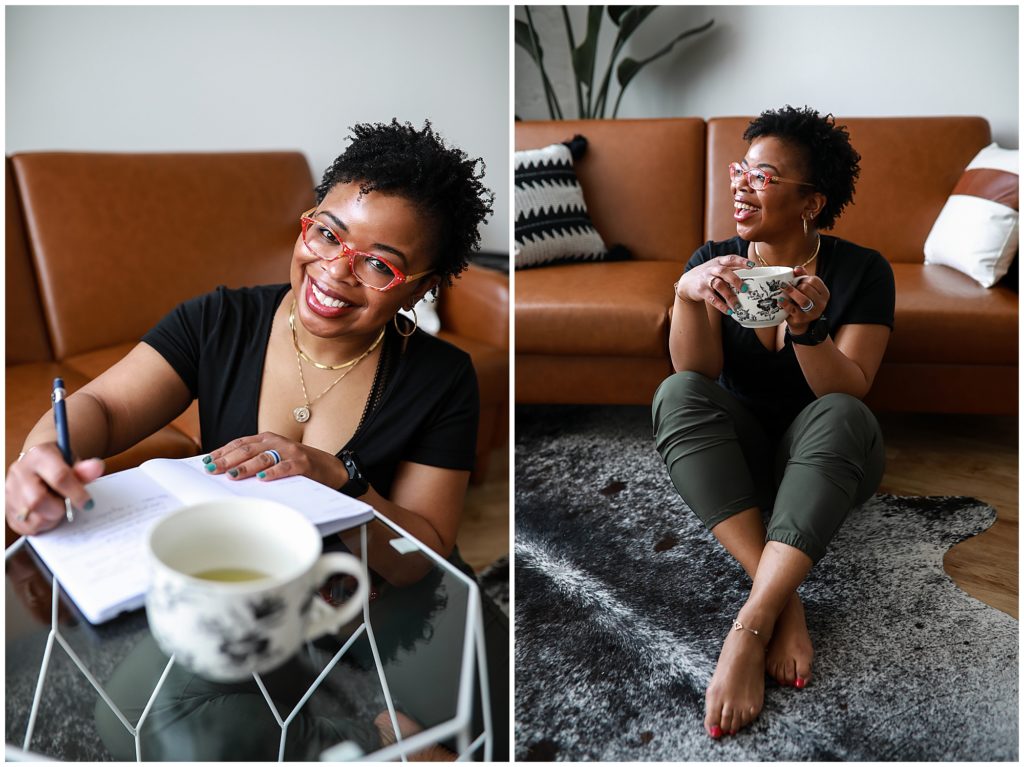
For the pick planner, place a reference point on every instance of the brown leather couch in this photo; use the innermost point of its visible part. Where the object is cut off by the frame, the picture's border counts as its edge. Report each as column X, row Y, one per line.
column 598, row 332
column 100, row 246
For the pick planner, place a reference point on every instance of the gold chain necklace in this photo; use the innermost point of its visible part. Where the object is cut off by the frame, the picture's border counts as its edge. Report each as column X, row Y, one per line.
column 306, row 357
column 805, row 263
column 303, row 412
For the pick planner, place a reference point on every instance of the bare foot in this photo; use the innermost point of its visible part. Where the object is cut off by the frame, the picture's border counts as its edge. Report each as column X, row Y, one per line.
column 790, row 650
column 435, row 753
column 736, row 693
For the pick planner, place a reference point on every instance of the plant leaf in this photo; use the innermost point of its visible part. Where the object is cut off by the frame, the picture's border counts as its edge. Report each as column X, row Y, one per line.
column 526, row 41
column 629, row 68
column 584, row 56
column 632, row 17
column 615, row 12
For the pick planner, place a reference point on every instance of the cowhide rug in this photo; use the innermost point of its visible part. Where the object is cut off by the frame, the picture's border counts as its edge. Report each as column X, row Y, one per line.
column 622, row 600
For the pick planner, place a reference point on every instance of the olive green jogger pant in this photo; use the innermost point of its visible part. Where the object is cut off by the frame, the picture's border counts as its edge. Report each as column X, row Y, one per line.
column 721, row 460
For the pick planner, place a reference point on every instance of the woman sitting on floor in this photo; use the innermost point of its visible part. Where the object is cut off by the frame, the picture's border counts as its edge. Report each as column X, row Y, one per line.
column 770, row 419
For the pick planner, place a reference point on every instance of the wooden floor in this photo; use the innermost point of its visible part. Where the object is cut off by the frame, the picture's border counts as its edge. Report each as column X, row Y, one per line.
column 484, row 533
column 963, row 455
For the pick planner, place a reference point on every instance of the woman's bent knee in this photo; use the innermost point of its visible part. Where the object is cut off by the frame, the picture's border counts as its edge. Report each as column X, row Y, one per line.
column 681, row 384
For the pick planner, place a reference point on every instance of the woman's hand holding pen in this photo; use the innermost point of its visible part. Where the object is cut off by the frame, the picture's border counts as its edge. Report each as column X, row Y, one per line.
column 37, row 484
column 269, row 456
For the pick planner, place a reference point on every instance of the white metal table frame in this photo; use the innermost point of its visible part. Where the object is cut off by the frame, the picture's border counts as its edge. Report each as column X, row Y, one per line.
column 473, row 651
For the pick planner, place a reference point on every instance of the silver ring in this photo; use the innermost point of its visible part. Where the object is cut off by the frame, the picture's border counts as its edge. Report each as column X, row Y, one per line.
column 273, row 454
column 805, row 309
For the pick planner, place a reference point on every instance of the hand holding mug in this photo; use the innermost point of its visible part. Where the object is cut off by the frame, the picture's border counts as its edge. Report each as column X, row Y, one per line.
column 714, row 282
column 804, row 301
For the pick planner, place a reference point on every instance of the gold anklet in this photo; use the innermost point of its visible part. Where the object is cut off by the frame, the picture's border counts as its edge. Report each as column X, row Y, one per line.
column 737, row 626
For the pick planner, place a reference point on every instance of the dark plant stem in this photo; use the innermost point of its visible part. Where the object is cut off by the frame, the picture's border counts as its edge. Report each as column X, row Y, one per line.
column 549, row 92
column 572, row 47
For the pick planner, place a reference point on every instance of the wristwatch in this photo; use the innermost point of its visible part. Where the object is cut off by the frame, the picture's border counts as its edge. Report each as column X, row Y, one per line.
column 816, row 332
column 357, row 484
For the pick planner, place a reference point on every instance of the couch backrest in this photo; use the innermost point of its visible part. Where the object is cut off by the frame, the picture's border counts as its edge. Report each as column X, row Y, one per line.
column 909, row 166
column 643, row 180
column 117, row 240
column 27, row 336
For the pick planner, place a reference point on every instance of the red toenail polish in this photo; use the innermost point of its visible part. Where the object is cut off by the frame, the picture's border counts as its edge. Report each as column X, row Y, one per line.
column 716, row 731
column 800, row 683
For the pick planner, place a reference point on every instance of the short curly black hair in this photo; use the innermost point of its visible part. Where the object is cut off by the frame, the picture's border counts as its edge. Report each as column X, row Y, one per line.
column 440, row 180
column 830, row 161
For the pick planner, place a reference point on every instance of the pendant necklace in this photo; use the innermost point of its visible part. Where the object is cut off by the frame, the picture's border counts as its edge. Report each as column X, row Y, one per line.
column 303, row 412
column 805, row 263
column 306, row 357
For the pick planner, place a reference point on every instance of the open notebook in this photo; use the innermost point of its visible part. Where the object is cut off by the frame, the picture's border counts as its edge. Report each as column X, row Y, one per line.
column 101, row 560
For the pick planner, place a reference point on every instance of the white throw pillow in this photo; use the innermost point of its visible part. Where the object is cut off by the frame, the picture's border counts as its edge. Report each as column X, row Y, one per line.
column 977, row 230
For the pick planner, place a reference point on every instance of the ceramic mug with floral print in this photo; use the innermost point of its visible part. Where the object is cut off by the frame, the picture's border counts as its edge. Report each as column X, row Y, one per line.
column 234, row 586
column 759, row 303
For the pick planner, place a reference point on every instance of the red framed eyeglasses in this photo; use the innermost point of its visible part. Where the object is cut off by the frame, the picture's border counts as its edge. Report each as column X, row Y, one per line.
column 373, row 271
column 757, row 178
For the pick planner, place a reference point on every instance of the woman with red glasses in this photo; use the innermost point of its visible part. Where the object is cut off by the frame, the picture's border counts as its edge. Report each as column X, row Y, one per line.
column 322, row 376
column 767, row 423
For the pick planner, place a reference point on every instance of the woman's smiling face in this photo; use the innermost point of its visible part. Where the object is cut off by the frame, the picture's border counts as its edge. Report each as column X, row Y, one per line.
column 331, row 302
column 774, row 212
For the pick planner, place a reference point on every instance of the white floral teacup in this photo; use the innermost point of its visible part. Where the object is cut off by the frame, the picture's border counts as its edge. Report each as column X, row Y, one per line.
column 233, row 586
column 759, row 304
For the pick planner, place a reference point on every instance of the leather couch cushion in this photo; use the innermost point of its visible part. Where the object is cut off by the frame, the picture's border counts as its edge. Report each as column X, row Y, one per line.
column 477, row 306
column 121, row 239
column 491, row 365
column 27, row 338
column 91, row 364
column 943, row 316
column 643, row 180
column 611, row 309
column 29, row 386
column 607, row 380
column 909, row 166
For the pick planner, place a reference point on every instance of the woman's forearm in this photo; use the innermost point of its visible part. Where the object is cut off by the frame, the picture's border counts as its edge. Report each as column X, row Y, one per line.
column 88, row 426
column 828, row 371
column 396, row 568
column 692, row 344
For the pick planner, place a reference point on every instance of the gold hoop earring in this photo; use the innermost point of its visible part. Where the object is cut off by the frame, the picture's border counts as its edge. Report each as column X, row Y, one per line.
column 415, row 324
column 805, row 227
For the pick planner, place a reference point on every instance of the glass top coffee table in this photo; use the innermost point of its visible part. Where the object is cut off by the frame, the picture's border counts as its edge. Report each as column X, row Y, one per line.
column 79, row 692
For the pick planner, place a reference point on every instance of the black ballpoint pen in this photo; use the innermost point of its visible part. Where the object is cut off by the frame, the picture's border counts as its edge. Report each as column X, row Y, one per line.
column 60, row 420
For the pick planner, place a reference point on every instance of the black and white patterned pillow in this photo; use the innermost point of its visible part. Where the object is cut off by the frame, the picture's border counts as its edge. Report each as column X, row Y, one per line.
column 552, row 223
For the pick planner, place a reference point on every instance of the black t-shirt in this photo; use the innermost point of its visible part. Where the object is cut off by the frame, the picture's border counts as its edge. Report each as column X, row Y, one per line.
column 424, row 406
column 861, row 291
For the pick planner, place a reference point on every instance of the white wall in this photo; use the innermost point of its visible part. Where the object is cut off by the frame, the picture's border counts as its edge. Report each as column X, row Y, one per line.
column 246, row 78
column 848, row 60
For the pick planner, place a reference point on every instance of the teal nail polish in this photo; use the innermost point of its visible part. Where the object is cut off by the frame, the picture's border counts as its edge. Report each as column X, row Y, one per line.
column 750, row 264
column 782, row 302
column 207, row 458
column 89, row 504
column 729, row 312
column 211, row 467
column 262, row 475
column 743, row 288
column 233, row 472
